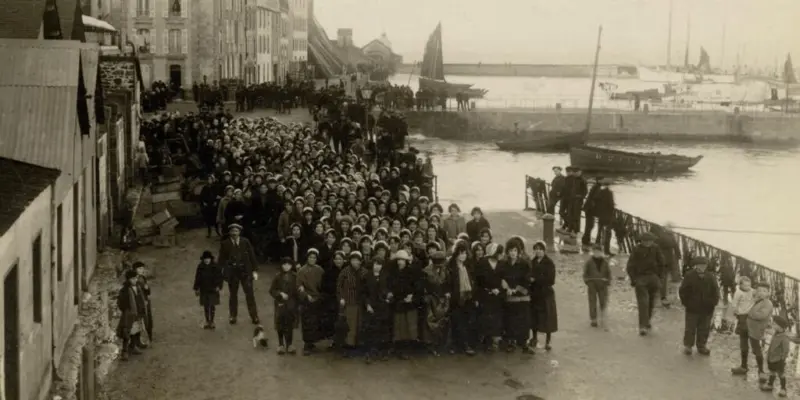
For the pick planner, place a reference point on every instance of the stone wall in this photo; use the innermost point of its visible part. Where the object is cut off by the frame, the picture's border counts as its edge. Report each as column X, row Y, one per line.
column 117, row 74
column 606, row 125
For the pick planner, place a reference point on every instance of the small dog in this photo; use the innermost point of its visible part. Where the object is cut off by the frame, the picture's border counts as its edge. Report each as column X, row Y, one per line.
column 259, row 338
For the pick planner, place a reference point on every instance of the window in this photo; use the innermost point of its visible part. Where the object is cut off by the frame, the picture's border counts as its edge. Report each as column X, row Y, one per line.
column 175, row 8
column 175, row 39
column 143, row 8
column 60, row 242
column 36, row 264
column 143, row 40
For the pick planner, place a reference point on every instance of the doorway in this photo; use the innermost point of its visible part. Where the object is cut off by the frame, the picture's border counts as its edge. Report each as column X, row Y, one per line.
column 11, row 332
column 175, row 76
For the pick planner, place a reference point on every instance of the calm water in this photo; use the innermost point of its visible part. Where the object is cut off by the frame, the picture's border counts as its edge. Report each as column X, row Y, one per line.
column 733, row 187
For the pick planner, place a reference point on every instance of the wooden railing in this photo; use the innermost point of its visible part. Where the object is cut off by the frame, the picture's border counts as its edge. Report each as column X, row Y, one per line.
column 627, row 228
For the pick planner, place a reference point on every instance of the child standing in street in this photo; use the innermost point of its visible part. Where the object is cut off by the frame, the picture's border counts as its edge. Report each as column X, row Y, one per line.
column 739, row 308
column 776, row 356
column 758, row 319
column 207, row 284
column 284, row 291
column 597, row 277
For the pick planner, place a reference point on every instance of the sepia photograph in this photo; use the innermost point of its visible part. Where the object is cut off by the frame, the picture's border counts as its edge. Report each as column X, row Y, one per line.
column 399, row 199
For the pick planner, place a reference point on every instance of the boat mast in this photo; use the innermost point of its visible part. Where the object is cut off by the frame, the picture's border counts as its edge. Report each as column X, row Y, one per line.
column 669, row 37
column 688, row 39
column 594, row 80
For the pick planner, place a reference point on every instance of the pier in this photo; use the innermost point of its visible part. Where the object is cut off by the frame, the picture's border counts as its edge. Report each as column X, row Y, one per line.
column 610, row 124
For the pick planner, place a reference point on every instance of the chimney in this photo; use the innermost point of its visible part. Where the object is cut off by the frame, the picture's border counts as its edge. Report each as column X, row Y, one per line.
column 344, row 37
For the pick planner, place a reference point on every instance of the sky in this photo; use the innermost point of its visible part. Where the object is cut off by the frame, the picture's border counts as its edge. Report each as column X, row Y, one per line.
column 565, row 31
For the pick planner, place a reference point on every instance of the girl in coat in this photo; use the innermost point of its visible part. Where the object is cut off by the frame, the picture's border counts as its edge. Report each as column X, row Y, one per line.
column 544, row 314
column 516, row 282
column 378, row 298
column 406, row 289
column 454, row 224
column 349, row 290
column 207, row 284
column 490, row 295
column 437, row 303
column 309, row 293
column 284, row 294
column 144, row 291
column 131, row 323
column 208, row 204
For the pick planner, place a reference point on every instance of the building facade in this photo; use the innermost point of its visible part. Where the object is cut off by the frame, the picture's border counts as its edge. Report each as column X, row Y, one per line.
column 281, row 41
column 230, row 19
column 268, row 11
column 300, row 13
column 159, row 30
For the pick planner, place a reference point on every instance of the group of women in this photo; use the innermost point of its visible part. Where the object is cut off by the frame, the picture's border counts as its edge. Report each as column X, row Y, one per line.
column 367, row 258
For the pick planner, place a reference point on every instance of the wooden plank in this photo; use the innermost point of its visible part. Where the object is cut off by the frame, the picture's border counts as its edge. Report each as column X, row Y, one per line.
column 164, row 197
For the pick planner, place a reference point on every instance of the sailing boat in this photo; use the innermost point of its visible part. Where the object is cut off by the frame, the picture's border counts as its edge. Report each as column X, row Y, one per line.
column 431, row 76
column 550, row 140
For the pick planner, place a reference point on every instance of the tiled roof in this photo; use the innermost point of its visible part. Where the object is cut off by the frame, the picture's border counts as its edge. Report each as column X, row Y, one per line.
column 21, row 183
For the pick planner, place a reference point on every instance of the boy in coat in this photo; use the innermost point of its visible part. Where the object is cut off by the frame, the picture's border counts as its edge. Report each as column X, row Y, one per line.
column 699, row 294
column 597, row 277
column 284, row 294
column 776, row 356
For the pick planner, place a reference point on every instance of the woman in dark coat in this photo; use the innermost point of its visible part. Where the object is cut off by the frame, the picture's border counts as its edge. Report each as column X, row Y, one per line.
column 406, row 288
column 437, row 303
column 544, row 314
column 207, row 284
column 378, row 314
column 490, row 295
column 144, row 292
column 516, row 282
column 131, row 304
column 476, row 224
column 295, row 246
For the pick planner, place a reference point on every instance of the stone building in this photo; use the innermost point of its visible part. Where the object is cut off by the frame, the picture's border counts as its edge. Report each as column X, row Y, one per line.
column 300, row 13
column 281, row 41
column 380, row 51
column 268, row 11
column 160, row 31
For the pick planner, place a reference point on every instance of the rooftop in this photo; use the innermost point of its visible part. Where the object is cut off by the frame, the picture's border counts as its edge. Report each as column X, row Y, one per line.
column 21, row 183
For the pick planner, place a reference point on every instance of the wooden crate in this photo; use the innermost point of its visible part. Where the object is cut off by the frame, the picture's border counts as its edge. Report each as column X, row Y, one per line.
column 166, row 187
column 165, row 241
column 161, row 217
column 167, row 196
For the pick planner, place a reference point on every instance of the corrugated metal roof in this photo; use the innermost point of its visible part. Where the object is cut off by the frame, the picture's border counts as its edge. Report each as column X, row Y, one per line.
column 21, row 19
column 40, row 63
column 38, row 124
column 21, row 183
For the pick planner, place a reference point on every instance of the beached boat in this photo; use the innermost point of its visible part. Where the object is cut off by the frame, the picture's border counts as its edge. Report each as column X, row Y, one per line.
column 598, row 159
column 431, row 75
column 544, row 141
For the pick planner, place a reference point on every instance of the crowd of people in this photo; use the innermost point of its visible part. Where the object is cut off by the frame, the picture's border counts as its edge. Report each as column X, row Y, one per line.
column 370, row 261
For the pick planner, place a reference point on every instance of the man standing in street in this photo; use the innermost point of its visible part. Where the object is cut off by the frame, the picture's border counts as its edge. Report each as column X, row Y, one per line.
column 556, row 187
column 238, row 260
column 699, row 295
column 644, row 268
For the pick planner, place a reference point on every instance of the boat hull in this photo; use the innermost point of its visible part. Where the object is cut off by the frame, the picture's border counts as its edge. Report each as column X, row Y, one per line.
column 598, row 159
column 544, row 141
column 450, row 88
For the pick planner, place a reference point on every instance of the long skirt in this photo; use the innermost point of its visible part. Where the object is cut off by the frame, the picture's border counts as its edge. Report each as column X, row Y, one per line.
column 405, row 326
column 490, row 318
column 378, row 326
column 437, row 320
column 310, row 315
column 353, row 314
column 517, row 321
column 544, row 315
column 330, row 314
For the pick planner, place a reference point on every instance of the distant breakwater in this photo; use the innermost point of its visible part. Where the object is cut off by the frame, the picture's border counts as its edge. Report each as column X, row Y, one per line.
column 709, row 126
column 530, row 70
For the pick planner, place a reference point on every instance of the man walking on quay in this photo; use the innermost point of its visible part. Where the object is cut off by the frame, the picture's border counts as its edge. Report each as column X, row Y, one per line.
column 644, row 268
column 238, row 260
column 699, row 295
column 556, row 187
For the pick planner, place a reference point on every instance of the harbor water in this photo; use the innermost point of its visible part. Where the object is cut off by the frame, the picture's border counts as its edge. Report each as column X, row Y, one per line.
column 740, row 198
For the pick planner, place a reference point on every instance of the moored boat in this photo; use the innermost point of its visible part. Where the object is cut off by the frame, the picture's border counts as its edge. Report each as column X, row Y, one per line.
column 544, row 141
column 431, row 75
column 599, row 159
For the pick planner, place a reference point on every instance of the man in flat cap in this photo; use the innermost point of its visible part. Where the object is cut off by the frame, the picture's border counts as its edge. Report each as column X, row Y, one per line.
column 238, row 260
column 644, row 269
column 699, row 295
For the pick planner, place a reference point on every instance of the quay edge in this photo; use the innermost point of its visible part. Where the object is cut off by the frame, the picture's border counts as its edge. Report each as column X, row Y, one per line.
column 697, row 126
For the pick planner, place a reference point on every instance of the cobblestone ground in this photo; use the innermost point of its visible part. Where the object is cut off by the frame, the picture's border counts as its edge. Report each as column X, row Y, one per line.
column 187, row 362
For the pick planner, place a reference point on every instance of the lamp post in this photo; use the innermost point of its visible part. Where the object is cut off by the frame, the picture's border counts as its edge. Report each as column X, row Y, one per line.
column 366, row 94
